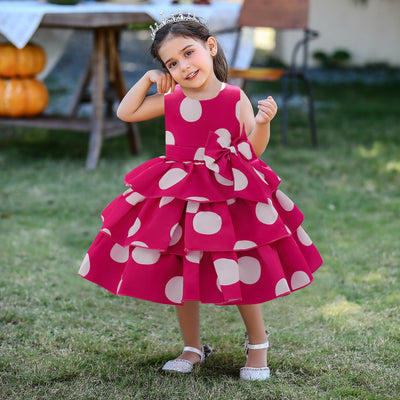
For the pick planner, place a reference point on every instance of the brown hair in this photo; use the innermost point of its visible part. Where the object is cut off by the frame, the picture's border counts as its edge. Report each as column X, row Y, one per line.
column 197, row 30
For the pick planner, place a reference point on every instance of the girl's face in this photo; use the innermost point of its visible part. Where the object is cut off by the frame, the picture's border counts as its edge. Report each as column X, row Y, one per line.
column 189, row 61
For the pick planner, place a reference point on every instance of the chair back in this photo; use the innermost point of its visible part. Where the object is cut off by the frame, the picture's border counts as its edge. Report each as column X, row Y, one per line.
column 277, row 14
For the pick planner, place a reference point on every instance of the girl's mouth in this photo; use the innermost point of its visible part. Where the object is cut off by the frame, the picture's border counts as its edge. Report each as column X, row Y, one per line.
column 192, row 75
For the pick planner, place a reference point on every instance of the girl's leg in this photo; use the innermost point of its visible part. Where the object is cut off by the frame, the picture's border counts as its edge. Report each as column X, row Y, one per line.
column 253, row 319
column 189, row 322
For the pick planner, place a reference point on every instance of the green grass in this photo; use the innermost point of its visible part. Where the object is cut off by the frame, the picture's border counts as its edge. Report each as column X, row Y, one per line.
column 62, row 337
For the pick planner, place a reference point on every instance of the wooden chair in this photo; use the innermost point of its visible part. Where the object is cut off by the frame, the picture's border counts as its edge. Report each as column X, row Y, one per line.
column 280, row 15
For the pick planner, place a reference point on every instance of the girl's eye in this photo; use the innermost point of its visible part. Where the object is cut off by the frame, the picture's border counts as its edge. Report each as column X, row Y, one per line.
column 171, row 65
column 189, row 52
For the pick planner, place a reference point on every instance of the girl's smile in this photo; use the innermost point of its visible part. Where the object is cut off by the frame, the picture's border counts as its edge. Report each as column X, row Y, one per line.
column 190, row 63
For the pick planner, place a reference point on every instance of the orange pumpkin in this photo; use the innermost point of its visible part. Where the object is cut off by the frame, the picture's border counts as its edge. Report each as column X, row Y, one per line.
column 22, row 97
column 24, row 62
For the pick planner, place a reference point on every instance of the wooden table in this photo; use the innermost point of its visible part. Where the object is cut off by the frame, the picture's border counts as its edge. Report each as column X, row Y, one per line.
column 103, row 74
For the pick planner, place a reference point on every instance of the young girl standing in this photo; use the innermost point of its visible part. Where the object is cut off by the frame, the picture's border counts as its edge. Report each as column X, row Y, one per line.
column 206, row 222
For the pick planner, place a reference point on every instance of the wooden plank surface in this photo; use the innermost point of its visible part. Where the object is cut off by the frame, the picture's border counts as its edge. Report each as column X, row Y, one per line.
column 93, row 20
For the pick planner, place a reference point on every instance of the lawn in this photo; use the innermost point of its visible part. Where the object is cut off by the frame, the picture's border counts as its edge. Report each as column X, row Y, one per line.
column 62, row 337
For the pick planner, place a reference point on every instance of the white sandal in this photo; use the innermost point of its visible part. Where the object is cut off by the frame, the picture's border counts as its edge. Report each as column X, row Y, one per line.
column 251, row 373
column 185, row 366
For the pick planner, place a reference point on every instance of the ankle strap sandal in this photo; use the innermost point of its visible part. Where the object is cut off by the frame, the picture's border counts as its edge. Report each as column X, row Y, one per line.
column 251, row 373
column 185, row 366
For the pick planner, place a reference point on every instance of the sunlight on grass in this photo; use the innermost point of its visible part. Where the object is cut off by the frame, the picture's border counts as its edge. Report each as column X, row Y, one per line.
column 393, row 166
column 373, row 152
column 341, row 308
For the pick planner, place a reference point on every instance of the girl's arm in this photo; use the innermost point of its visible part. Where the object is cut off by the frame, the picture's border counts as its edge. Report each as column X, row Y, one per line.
column 135, row 106
column 257, row 128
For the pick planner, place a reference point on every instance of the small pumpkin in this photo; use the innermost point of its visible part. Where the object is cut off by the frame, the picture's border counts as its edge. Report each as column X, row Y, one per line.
column 22, row 97
column 24, row 62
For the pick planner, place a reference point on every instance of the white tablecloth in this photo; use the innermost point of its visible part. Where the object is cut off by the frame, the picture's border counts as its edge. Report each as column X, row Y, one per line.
column 19, row 20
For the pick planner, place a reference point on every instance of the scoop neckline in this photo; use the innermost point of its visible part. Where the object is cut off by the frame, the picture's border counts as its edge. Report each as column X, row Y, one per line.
column 223, row 86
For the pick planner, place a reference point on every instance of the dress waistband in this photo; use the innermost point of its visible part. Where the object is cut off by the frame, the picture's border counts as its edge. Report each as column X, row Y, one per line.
column 180, row 153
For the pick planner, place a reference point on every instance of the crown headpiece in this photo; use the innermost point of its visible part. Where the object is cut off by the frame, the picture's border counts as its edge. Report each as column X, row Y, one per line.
column 174, row 18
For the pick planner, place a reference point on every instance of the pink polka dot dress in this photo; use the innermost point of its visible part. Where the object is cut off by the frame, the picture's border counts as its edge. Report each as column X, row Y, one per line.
column 206, row 221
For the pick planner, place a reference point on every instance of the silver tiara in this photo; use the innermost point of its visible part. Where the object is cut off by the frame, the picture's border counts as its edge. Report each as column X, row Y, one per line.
column 174, row 18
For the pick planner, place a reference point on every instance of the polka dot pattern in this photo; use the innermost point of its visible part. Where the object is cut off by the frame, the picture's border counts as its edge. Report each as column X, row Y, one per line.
column 207, row 223
column 174, row 289
column 240, row 180
column 145, row 256
column 303, row 237
column 202, row 216
column 119, row 254
column 266, row 213
column 134, row 228
column 282, row 287
column 249, row 270
column 169, row 138
column 171, row 178
column 227, row 271
column 176, row 234
column 134, row 198
column 224, row 138
column 190, row 110
column 85, row 266
column 299, row 279
column 284, row 201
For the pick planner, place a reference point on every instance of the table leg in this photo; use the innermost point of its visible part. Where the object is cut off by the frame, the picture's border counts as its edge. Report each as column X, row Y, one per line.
column 115, row 75
column 98, row 79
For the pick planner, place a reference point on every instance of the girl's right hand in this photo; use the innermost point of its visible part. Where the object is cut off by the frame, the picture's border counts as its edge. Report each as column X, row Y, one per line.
column 162, row 79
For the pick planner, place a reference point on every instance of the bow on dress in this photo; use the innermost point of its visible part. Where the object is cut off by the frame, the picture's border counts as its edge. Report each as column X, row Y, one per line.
column 226, row 156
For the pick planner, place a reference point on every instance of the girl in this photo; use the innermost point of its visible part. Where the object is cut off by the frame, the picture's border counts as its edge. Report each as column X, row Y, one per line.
column 206, row 222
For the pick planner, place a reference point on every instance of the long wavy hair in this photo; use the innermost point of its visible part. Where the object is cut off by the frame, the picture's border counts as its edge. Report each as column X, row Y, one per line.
column 197, row 30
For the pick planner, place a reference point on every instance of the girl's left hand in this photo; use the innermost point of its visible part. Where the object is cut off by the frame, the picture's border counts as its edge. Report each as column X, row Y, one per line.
column 267, row 109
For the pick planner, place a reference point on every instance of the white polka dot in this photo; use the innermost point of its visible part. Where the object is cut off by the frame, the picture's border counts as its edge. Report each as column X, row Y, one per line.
column 249, row 270
column 140, row 244
column 192, row 207
column 165, row 200
column 85, row 266
column 119, row 285
column 282, row 287
column 223, row 181
column 223, row 86
column 174, row 289
column 199, row 155
column 245, row 150
column 107, row 231
column 244, row 245
column 102, row 217
column 230, row 202
column 210, row 163
column 194, row 256
column 261, row 175
column 219, row 285
column 227, row 271
column 237, row 110
column 134, row 228
column 288, row 230
column 207, row 223
column 145, row 256
column 190, row 110
column 303, row 237
column 224, row 137
column 299, row 279
column 119, row 254
column 266, row 213
column 176, row 234
column 284, row 201
column 169, row 138
column 171, row 178
column 239, row 179
column 134, row 198
column 194, row 198
column 127, row 191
